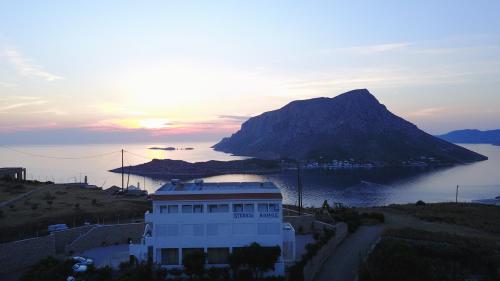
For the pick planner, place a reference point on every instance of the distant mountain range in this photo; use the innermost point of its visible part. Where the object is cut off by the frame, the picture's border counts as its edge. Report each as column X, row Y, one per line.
column 352, row 126
column 473, row 136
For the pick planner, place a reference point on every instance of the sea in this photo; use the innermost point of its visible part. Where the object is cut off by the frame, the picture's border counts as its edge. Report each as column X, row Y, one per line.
column 357, row 187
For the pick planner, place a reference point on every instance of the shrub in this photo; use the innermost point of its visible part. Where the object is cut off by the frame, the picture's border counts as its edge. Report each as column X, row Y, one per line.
column 194, row 264
column 374, row 215
column 49, row 269
column 420, row 203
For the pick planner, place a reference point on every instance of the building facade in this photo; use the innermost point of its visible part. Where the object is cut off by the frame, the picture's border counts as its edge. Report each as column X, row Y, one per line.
column 215, row 218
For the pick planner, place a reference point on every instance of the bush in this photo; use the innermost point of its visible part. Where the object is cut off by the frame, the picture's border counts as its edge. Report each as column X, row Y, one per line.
column 296, row 271
column 104, row 273
column 420, row 203
column 350, row 216
column 374, row 215
column 49, row 269
column 194, row 264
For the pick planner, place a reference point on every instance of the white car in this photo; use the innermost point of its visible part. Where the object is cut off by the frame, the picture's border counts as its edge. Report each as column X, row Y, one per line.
column 82, row 260
column 78, row 268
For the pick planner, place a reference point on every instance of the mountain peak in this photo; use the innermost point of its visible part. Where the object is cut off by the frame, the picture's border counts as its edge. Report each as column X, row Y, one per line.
column 352, row 125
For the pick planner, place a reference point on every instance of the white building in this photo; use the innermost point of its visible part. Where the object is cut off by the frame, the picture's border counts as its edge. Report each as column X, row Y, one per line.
column 215, row 218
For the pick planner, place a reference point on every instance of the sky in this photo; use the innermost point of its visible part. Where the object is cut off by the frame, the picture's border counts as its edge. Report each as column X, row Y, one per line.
column 125, row 71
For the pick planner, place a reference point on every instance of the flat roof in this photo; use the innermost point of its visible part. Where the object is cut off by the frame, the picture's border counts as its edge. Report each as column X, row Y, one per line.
column 213, row 190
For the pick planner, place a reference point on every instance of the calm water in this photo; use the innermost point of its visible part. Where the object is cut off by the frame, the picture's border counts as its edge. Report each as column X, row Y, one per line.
column 356, row 188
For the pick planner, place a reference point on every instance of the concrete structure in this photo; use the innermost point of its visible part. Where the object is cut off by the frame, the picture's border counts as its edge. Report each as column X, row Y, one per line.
column 18, row 173
column 215, row 218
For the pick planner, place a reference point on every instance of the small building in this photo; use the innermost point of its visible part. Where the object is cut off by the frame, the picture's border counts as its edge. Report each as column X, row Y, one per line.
column 15, row 173
column 215, row 218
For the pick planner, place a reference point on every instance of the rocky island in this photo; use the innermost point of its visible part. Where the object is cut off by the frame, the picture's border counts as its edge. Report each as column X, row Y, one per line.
column 353, row 126
column 169, row 169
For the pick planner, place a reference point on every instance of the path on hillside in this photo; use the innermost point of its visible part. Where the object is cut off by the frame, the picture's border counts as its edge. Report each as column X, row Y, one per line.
column 21, row 196
column 343, row 264
column 394, row 219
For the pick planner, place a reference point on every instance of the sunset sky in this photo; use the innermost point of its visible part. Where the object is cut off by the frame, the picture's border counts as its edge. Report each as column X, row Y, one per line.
column 92, row 71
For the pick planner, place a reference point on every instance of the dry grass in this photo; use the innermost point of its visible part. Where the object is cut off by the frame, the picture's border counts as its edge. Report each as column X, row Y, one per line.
column 477, row 216
column 11, row 189
column 66, row 204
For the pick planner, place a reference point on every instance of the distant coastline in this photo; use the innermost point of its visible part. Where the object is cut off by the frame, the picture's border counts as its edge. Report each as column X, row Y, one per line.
column 171, row 148
column 169, row 169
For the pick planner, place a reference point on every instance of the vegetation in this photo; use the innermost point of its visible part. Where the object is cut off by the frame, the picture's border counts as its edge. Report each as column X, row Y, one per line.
column 478, row 216
column 249, row 263
column 413, row 255
column 297, row 270
column 255, row 258
column 67, row 204
column 194, row 265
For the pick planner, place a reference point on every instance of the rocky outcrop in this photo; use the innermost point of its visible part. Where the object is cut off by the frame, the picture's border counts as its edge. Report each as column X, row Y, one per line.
column 353, row 125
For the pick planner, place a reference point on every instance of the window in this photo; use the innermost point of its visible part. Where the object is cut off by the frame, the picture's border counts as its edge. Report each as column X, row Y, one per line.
column 173, row 209
column 217, row 255
column 192, row 230
column 167, row 230
column 220, row 208
column 238, row 208
column 268, row 228
column 214, row 229
column 244, row 229
column 170, row 256
column 197, row 208
column 189, row 251
column 248, row 208
column 163, row 209
column 271, row 207
column 262, row 208
column 186, row 209
column 274, row 207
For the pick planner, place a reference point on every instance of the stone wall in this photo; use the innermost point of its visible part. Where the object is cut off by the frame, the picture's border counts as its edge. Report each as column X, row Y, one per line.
column 103, row 235
column 303, row 222
column 24, row 253
column 66, row 237
column 312, row 268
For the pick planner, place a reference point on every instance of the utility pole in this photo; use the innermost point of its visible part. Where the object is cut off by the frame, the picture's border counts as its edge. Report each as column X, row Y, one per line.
column 456, row 196
column 122, row 173
column 299, row 188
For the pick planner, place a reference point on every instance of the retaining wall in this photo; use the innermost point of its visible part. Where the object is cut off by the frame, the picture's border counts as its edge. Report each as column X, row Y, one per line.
column 303, row 222
column 102, row 235
column 20, row 254
column 66, row 237
column 314, row 265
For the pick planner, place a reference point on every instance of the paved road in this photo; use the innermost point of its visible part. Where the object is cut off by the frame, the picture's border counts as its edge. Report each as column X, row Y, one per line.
column 108, row 256
column 343, row 264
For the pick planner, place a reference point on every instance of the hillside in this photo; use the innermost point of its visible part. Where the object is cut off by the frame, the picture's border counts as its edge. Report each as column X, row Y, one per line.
column 353, row 125
column 169, row 169
column 473, row 136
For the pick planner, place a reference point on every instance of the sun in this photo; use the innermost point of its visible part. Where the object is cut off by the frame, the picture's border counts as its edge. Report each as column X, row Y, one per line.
column 153, row 123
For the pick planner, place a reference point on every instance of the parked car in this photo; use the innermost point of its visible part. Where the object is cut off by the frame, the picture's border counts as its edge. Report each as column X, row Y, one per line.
column 57, row 227
column 82, row 260
column 78, row 268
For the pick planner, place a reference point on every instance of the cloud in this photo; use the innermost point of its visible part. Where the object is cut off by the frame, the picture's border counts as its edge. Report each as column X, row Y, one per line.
column 370, row 49
column 428, row 112
column 26, row 67
column 8, row 108
column 235, row 117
